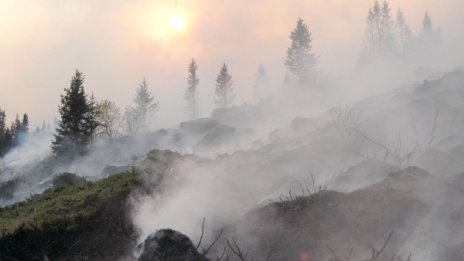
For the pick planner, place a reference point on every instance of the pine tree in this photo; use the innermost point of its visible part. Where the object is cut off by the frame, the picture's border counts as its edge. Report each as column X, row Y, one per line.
column 387, row 33
column 300, row 60
column 261, row 82
column 427, row 25
column 3, row 130
column 8, row 141
column 404, row 34
column 24, row 125
column 224, row 91
column 136, row 117
column 430, row 37
column 190, row 96
column 74, row 131
column 91, row 121
column 379, row 40
column 15, row 131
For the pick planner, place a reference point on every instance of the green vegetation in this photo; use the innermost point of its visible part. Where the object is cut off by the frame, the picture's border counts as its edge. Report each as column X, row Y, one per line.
column 88, row 220
column 65, row 205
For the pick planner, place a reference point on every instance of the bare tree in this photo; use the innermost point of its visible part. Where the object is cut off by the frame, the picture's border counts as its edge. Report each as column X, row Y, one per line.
column 108, row 118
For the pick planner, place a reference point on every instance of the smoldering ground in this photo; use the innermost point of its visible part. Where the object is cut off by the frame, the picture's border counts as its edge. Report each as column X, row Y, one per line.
column 266, row 172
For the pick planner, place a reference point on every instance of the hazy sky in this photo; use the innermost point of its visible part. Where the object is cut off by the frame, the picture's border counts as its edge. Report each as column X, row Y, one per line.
column 116, row 43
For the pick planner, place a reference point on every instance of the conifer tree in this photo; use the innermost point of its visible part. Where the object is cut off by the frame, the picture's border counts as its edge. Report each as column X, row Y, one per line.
column 300, row 60
column 75, row 127
column 191, row 92
column 15, row 131
column 24, row 125
column 8, row 141
column 224, row 91
column 261, row 82
column 430, row 37
column 3, row 130
column 136, row 117
column 427, row 25
column 379, row 40
column 404, row 34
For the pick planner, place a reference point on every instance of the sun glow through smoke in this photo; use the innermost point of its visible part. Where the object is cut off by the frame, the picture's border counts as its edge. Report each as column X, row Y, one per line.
column 162, row 23
column 178, row 22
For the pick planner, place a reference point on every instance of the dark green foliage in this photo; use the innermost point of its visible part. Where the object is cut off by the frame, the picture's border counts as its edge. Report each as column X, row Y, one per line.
column 66, row 180
column 12, row 137
column 16, row 132
column 86, row 220
column 77, row 124
column 3, row 132
column 8, row 188
column 224, row 91
column 300, row 60
column 25, row 124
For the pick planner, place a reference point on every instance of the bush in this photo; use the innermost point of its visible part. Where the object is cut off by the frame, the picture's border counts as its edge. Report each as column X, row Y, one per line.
column 66, row 180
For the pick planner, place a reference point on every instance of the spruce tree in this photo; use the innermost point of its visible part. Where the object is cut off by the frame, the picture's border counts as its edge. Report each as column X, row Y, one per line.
column 15, row 131
column 75, row 127
column 427, row 25
column 387, row 32
column 430, row 37
column 8, row 141
column 404, row 34
column 144, row 101
column 300, row 60
column 261, row 82
column 190, row 96
column 379, row 40
column 136, row 117
column 3, row 129
column 224, row 91
column 24, row 125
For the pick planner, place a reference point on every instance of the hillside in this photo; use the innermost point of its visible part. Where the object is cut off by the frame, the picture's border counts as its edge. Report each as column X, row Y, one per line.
column 87, row 220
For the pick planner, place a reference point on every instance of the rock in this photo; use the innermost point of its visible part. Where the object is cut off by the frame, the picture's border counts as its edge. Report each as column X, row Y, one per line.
column 168, row 244
column 199, row 126
column 219, row 135
column 409, row 174
column 66, row 180
column 363, row 174
column 157, row 164
column 111, row 170
column 8, row 188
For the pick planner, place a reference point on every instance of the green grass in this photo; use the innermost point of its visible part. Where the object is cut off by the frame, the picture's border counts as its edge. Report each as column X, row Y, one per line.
column 66, row 206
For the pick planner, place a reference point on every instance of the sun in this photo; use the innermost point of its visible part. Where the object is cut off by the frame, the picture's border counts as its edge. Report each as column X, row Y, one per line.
column 178, row 22
column 162, row 23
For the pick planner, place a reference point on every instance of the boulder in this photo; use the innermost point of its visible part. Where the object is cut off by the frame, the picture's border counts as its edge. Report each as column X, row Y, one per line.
column 168, row 245
column 199, row 126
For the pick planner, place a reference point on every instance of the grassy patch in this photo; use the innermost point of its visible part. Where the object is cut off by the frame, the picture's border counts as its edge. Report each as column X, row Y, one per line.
column 65, row 206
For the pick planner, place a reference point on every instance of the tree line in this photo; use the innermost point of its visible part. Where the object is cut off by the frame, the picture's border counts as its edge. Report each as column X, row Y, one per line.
column 388, row 37
column 82, row 118
column 11, row 137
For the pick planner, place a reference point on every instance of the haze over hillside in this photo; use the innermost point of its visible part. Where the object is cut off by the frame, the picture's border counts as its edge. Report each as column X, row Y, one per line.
column 199, row 130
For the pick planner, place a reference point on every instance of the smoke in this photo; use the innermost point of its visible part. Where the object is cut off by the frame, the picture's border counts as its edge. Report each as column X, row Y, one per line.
column 354, row 126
